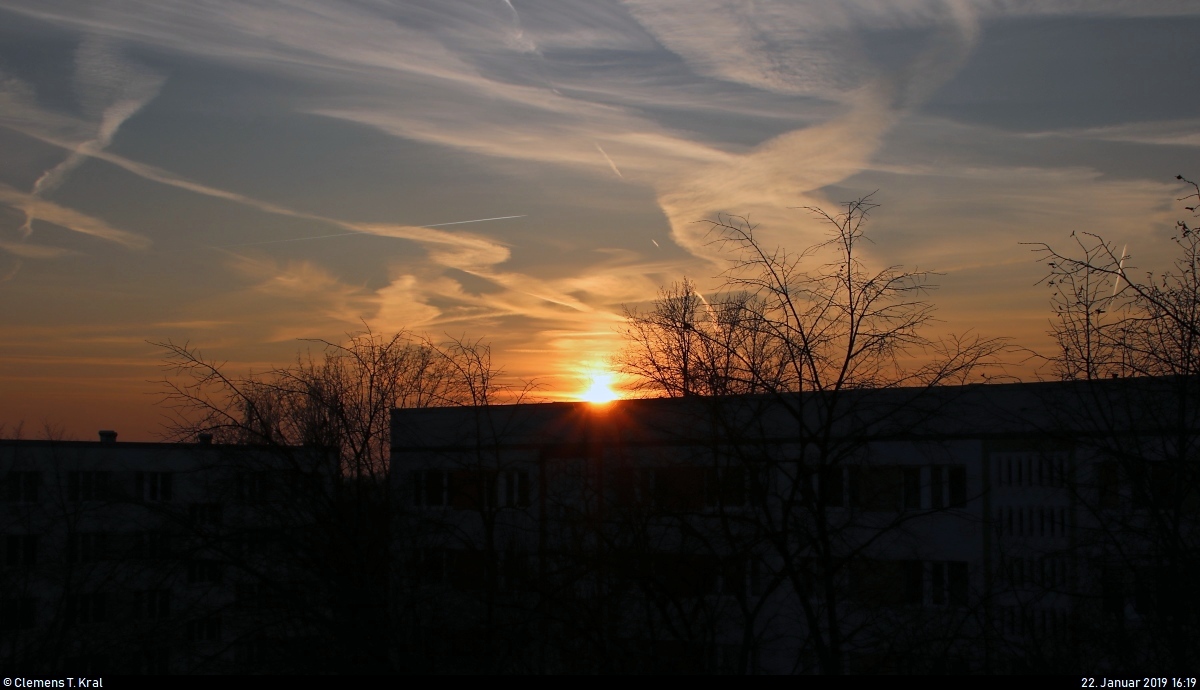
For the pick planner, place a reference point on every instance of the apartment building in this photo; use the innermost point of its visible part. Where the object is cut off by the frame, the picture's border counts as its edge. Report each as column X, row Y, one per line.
column 976, row 529
column 154, row 558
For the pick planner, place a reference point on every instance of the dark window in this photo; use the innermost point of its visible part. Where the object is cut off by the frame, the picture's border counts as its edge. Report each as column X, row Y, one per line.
column 433, row 482
column 472, row 490
column 914, row 582
column 20, row 550
column 1107, row 485
column 204, row 572
column 957, row 583
column 467, row 570
column 1112, row 588
column 152, row 486
column 725, row 486
column 154, row 604
column 428, row 566
column 156, row 661
column 207, row 629
column 86, row 547
column 733, row 577
column 912, row 488
column 686, row 575
column 88, row 486
column 22, row 487
column 875, row 488
column 16, row 613
column 938, row 581
column 679, row 489
column 1158, row 487
column 252, row 487
column 958, row 486
column 936, row 487
column 83, row 609
column 153, row 545
column 517, row 572
column 516, row 489
column 252, row 651
column 205, row 515
column 832, row 487
column 878, row 582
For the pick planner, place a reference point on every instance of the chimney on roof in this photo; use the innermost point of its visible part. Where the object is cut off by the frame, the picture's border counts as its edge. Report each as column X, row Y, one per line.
column 205, row 439
column 108, row 436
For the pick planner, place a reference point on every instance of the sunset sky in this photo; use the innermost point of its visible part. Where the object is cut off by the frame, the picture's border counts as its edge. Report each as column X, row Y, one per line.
column 241, row 175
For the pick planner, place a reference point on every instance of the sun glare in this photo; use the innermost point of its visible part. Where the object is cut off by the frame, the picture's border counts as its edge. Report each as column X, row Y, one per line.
column 600, row 391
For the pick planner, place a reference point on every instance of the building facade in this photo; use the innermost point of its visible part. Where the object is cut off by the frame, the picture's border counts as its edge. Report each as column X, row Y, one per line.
column 977, row 529
column 154, row 558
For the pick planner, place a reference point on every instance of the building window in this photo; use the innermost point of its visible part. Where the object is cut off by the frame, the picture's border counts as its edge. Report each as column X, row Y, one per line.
column 1107, row 486
column 518, row 572
column 725, row 486
column 472, row 489
column 1112, row 592
column 516, row 489
column 153, row 545
column 831, row 487
column 914, row 582
column 937, row 580
column 86, row 547
column 88, row 486
column 152, row 486
column 429, row 488
column 22, row 487
column 912, row 488
column 156, row 661
column 887, row 583
column 200, row 572
column 875, row 488
column 957, row 475
column 937, row 488
column 252, row 487
column 154, row 604
column 20, row 550
column 1158, row 487
column 205, row 515
column 83, row 609
column 17, row 613
column 250, row 652
column 957, row 583
column 207, row 629
column 428, row 566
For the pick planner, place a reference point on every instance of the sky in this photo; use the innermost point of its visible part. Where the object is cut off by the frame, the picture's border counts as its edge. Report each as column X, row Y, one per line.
column 241, row 175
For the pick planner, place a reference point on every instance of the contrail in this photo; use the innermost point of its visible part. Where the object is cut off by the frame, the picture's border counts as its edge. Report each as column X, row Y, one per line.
column 477, row 220
column 1120, row 270
column 610, row 161
column 109, row 85
column 655, row 242
column 344, row 234
column 524, row 43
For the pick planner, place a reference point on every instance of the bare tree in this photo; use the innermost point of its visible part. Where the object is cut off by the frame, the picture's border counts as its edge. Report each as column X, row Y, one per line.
column 805, row 331
column 1140, row 437
column 308, row 468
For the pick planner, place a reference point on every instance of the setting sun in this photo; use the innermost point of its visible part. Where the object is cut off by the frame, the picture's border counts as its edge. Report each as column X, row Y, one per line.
column 600, row 389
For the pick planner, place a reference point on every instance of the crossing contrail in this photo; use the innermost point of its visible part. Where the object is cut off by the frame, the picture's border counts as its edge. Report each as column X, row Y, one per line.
column 357, row 232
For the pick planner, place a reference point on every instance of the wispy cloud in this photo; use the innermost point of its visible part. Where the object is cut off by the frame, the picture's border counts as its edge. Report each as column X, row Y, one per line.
column 50, row 212
column 110, row 88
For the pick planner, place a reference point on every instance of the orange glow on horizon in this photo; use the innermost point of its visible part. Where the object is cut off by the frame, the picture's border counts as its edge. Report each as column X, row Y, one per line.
column 599, row 390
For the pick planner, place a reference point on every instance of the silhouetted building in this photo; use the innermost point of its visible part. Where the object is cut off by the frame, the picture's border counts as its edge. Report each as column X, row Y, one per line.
column 150, row 557
column 985, row 528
